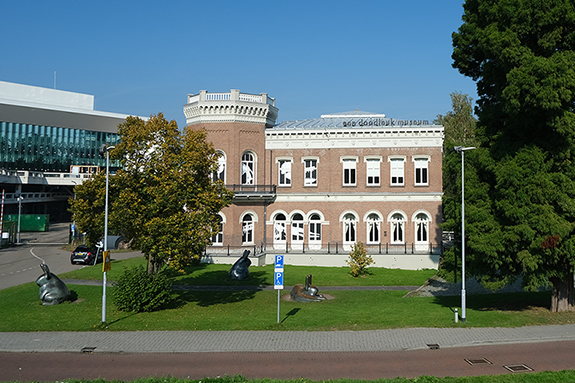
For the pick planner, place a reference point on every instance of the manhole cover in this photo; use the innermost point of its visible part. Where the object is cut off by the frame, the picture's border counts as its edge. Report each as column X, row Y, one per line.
column 518, row 368
column 478, row 361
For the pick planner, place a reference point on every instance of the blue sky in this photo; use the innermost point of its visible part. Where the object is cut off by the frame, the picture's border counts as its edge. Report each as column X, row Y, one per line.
column 314, row 57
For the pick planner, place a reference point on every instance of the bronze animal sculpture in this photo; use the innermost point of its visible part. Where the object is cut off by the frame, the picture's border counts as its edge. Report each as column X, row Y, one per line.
column 52, row 290
column 241, row 269
column 307, row 293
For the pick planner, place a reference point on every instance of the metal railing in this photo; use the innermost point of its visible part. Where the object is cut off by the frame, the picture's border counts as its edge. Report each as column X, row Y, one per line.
column 234, row 251
column 256, row 189
column 327, row 248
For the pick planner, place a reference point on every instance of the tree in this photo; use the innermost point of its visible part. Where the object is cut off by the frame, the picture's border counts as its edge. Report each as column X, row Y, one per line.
column 520, row 53
column 164, row 198
column 459, row 129
column 459, row 123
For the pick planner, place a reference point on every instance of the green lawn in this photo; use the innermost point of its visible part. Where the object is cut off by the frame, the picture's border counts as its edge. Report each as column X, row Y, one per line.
column 257, row 310
column 214, row 274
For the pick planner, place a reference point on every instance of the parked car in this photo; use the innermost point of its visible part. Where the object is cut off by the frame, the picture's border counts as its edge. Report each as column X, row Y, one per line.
column 86, row 255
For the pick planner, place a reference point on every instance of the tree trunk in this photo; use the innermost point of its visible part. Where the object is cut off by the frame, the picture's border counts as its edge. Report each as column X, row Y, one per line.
column 562, row 298
column 153, row 266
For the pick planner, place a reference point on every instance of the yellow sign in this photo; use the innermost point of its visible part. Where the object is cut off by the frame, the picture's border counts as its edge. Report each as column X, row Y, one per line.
column 107, row 265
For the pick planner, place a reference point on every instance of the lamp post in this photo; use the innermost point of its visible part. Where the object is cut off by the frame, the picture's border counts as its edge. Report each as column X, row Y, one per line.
column 107, row 149
column 461, row 149
column 20, row 198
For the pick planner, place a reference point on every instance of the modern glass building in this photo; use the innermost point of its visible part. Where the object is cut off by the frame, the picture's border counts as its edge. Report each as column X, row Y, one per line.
column 50, row 148
column 47, row 130
column 51, row 130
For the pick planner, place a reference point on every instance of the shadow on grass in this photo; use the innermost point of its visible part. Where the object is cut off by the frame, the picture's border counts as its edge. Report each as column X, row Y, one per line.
column 210, row 298
column 292, row 313
column 499, row 302
column 221, row 278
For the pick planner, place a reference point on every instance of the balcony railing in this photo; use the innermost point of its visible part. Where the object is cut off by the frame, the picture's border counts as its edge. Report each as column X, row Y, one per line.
column 253, row 193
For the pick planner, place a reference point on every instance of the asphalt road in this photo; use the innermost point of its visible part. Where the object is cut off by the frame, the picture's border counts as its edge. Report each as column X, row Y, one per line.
column 21, row 264
column 462, row 361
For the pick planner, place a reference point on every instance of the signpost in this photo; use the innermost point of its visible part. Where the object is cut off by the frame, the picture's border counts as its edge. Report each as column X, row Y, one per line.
column 279, row 278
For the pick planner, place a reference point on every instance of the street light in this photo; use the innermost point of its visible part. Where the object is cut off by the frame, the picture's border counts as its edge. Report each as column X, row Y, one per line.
column 20, row 198
column 107, row 149
column 461, row 149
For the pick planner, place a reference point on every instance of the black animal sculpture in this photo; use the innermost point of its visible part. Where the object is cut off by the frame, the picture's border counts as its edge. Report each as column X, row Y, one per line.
column 307, row 293
column 241, row 269
column 52, row 290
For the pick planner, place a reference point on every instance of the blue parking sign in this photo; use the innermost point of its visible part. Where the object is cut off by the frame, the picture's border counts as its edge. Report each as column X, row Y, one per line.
column 278, row 280
column 279, row 262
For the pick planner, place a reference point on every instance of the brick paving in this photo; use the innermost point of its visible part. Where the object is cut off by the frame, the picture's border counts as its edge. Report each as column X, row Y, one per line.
column 278, row 341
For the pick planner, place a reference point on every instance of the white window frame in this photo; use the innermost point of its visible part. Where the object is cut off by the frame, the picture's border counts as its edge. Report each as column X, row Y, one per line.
column 247, row 166
column 421, row 170
column 349, row 165
column 297, row 229
column 397, row 222
column 349, row 229
column 284, row 171
column 422, row 223
column 309, row 170
column 280, row 230
column 314, row 230
column 373, row 171
column 396, row 170
column 372, row 224
column 220, row 174
column 218, row 238
column 248, row 230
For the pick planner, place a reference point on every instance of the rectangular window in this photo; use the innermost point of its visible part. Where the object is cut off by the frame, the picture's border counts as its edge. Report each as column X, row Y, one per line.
column 373, row 172
column 310, row 172
column 421, row 171
column 284, row 171
column 349, row 178
column 397, row 171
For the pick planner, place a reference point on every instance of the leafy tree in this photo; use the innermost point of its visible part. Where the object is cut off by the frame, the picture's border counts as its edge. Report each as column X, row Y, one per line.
column 521, row 54
column 359, row 260
column 459, row 123
column 163, row 198
column 459, row 129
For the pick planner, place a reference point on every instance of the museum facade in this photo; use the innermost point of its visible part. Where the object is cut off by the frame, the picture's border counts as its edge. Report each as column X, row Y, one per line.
column 312, row 188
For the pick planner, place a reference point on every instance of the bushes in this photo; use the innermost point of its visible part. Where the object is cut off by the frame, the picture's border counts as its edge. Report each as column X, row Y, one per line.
column 138, row 291
column 359, row 260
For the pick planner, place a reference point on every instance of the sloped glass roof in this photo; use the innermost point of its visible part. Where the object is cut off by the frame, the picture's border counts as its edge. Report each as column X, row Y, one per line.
column 353, row 119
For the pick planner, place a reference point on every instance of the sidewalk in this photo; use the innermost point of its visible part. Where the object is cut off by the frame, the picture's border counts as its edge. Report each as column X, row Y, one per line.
column 277, row 341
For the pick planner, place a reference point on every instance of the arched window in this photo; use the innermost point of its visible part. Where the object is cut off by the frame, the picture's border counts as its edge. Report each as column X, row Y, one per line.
column 373, row 228
column 218, row 238
column 315, row 231
column 397, row 223
column 248, row 168
column 247, row 229
column 220, row 174
column 421, row 222
column 349, row 229
column 297, row 229
column 280, row 233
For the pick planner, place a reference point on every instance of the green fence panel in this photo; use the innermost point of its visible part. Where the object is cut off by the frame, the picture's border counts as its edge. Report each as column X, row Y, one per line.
column 31, row 222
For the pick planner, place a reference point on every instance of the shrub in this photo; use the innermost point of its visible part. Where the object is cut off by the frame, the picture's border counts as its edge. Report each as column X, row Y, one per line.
column 138, row 291
column 359, row 260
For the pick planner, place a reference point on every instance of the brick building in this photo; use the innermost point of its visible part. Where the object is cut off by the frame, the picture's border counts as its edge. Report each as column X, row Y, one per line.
column 311, row 188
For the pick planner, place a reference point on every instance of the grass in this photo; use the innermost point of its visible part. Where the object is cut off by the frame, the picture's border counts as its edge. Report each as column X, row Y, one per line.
column 216, row 274
column 257, row 310
column 536, row 377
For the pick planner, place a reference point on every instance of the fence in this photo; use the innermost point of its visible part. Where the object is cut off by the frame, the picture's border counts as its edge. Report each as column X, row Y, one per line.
column 327, row 248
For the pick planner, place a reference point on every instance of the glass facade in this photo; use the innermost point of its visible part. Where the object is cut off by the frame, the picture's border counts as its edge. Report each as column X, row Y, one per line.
column 49, row 148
